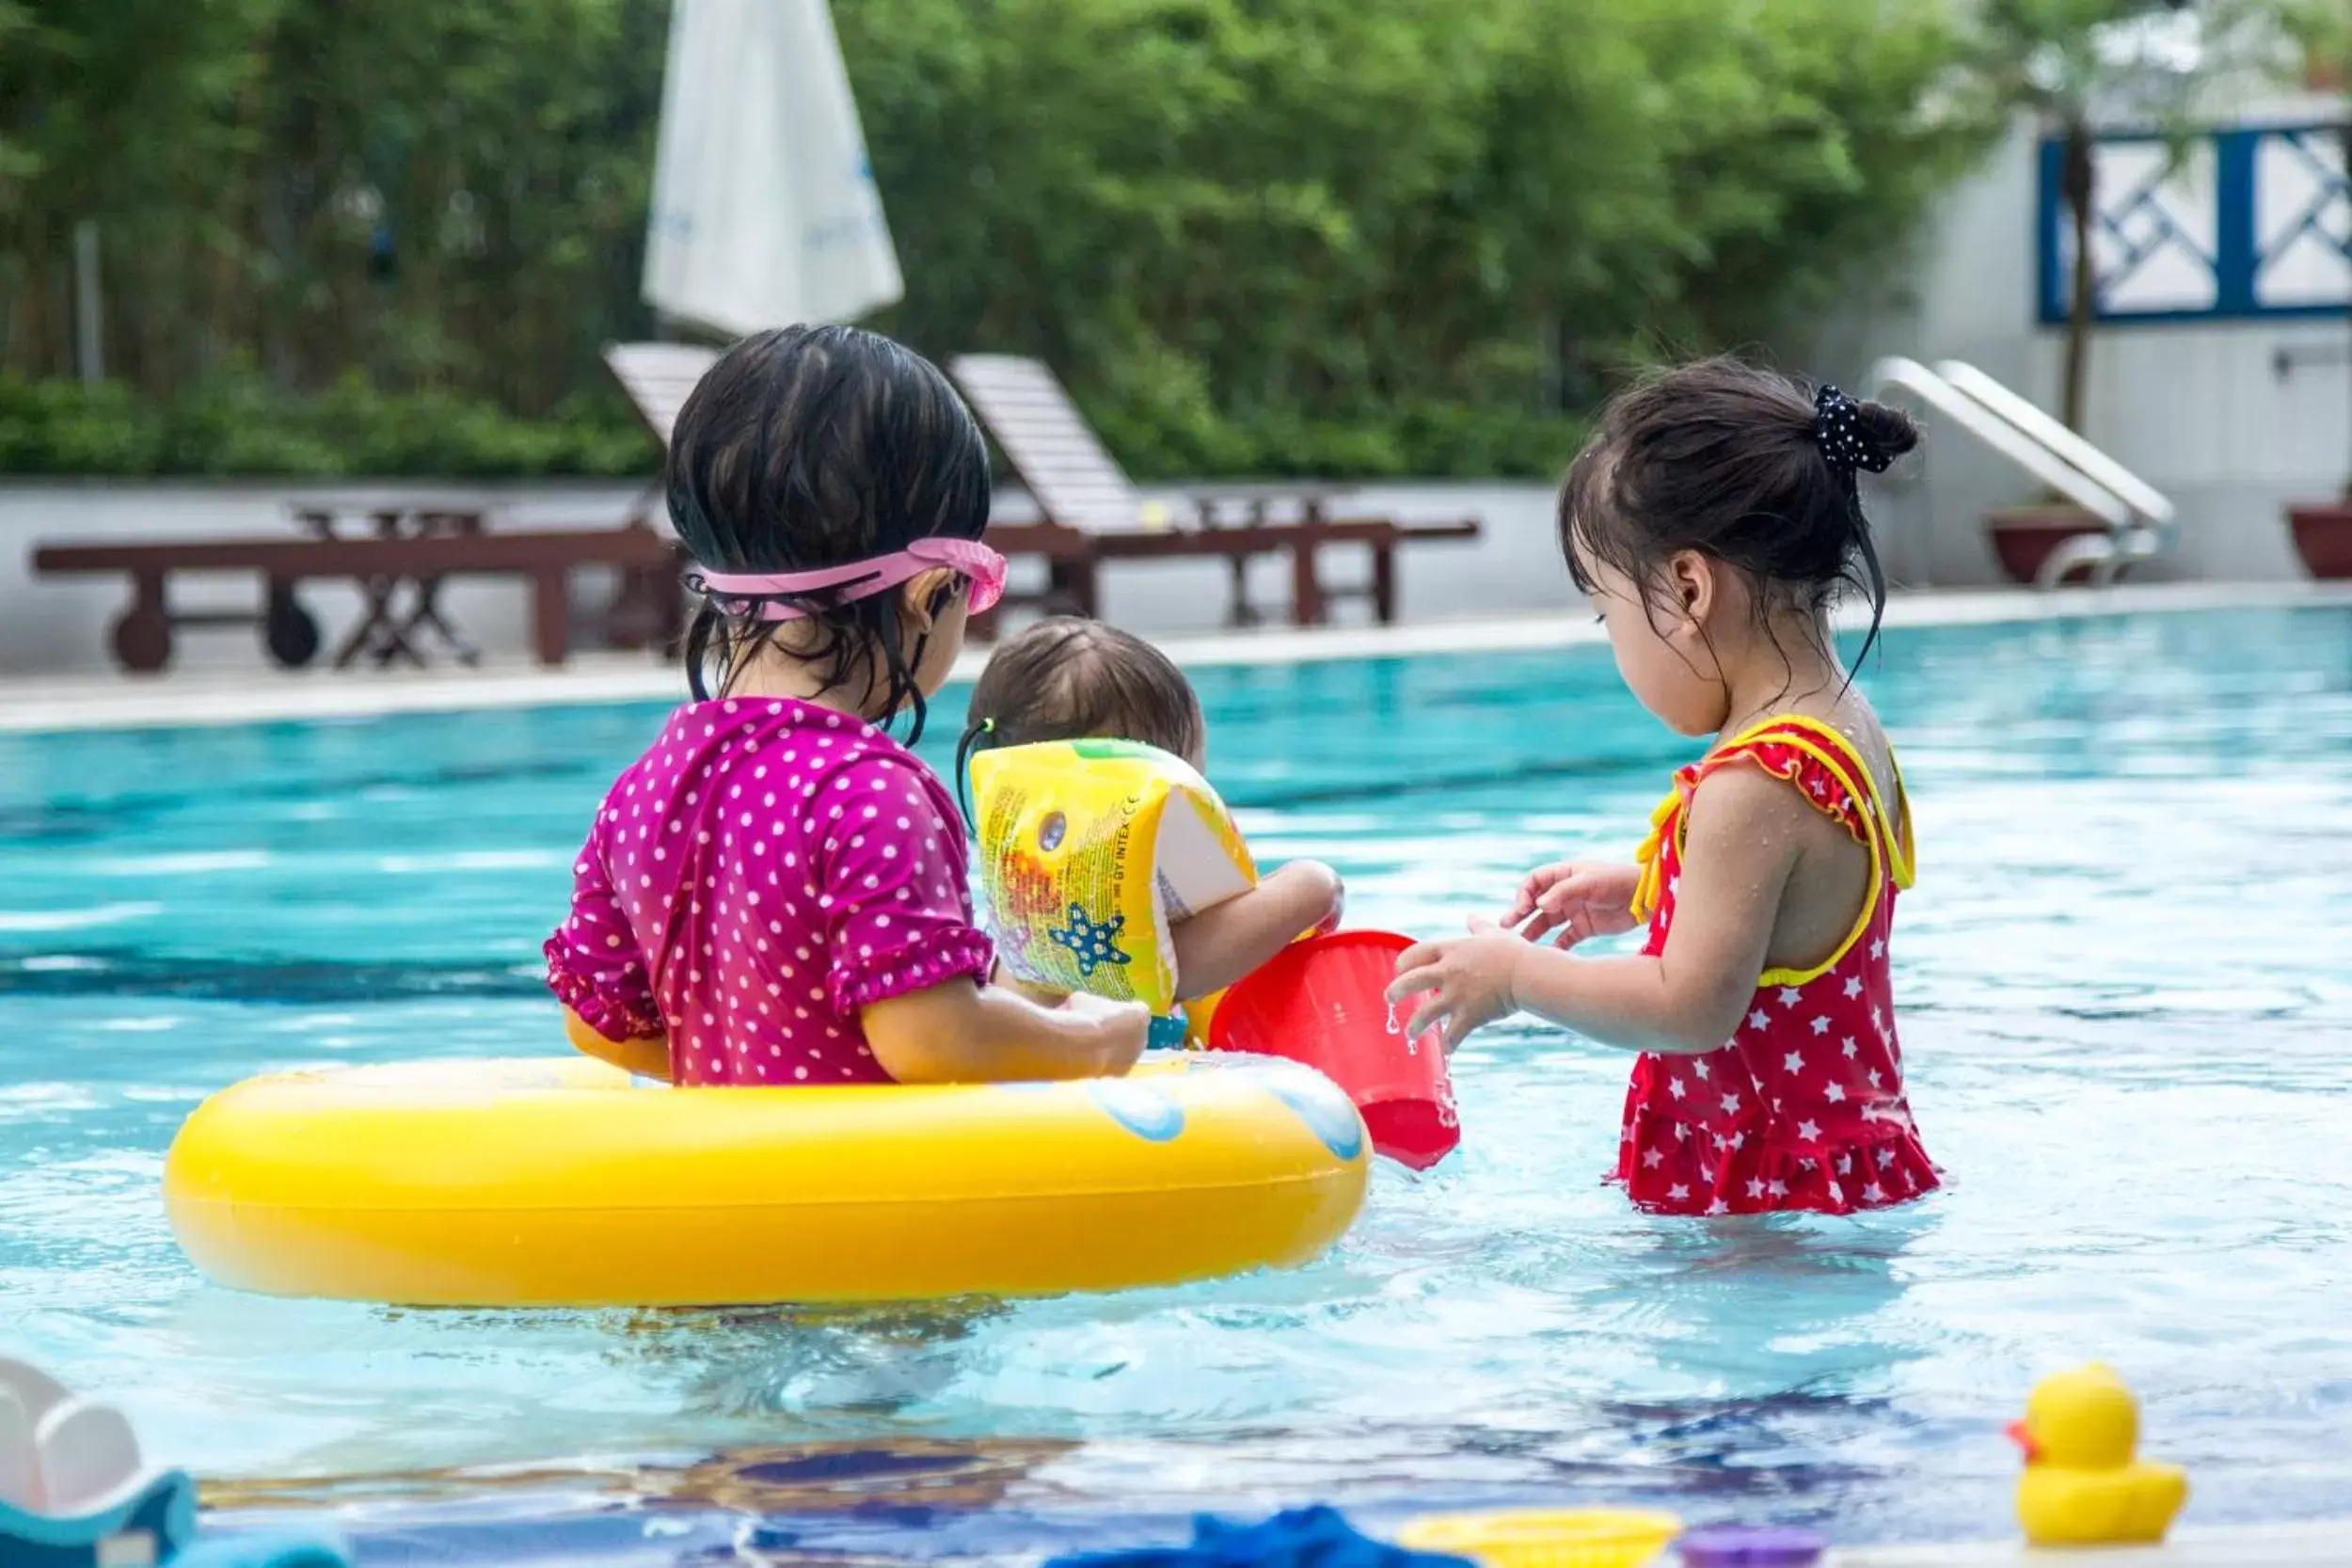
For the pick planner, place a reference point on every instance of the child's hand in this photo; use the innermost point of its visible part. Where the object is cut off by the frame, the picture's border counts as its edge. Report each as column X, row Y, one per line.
column 1577, row 898
column 1465, row 984
column 1124, row 1027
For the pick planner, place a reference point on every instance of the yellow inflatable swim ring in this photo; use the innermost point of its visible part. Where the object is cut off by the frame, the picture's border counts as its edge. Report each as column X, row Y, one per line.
column 560, row 1182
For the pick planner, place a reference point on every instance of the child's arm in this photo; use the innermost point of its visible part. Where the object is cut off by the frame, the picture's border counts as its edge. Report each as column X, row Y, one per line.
column 648, row 1057
column 982, row 1036
column 589, row 979
column 1044, row 996
column 1219, row 945
column 1745, row 831
column 963, row 1033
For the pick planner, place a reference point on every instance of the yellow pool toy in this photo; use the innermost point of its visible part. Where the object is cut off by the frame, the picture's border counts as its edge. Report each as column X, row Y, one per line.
column 2085, row 1483
column 560, row 1182
column 1546, row 1537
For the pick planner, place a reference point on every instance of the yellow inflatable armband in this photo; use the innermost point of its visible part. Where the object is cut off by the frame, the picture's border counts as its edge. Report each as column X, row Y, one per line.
column 1090, row 852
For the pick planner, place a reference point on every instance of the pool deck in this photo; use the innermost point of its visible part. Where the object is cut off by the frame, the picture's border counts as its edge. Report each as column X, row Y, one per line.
column 262, row 694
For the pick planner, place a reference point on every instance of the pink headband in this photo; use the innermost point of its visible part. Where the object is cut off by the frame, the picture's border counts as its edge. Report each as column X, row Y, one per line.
column 862, row 580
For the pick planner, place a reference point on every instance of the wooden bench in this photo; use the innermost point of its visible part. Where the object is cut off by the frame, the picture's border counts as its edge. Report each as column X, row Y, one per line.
column 142, row 635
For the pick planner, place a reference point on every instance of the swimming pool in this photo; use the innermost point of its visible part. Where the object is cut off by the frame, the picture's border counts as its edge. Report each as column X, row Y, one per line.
column 2127, row 982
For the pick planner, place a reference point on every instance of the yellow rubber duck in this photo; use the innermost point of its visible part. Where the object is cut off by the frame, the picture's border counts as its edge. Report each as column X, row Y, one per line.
column 2083, row 1486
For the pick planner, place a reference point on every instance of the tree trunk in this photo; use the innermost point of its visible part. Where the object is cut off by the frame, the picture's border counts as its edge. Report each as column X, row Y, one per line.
column 2077, row 181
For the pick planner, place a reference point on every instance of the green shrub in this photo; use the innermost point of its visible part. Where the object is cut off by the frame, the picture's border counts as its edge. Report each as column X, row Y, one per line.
column 232, row 424
column 1436, row 441
column 60, row 427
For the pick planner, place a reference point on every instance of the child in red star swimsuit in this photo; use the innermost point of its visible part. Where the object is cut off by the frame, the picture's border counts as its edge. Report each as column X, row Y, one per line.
column 1710, row 519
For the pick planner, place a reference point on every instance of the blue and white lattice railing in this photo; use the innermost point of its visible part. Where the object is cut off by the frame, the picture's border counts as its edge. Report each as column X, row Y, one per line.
column 2248, row 223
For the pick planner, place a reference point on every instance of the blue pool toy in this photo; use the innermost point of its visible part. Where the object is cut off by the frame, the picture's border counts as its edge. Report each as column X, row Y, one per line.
column 74, row 1490
column 1314, row 1537
column 263, row 1549
column 74, row 1493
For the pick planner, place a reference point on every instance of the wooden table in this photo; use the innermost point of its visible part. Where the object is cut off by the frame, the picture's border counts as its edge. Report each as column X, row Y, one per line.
column 387, row 633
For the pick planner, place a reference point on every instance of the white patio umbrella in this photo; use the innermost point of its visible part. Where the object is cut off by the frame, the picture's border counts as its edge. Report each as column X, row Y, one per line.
column 764, row 208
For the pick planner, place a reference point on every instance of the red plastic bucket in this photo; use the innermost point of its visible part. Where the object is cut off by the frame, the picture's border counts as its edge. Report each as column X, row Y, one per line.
column 1324, row 1002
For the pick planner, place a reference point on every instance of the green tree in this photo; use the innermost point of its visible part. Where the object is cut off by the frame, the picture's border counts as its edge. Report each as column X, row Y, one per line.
column 1236, row 225
column 107, row 112
column 444, row 194
column 1280, row 236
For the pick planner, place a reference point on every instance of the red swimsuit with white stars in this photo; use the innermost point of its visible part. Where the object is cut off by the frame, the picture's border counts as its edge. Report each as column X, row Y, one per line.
column 1805, row 1107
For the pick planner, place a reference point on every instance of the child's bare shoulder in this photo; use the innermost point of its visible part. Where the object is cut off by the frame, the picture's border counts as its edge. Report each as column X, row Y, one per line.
column 1743, row 796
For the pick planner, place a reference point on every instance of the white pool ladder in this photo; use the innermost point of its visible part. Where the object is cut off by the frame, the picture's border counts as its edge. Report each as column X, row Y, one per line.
column 2139, row 519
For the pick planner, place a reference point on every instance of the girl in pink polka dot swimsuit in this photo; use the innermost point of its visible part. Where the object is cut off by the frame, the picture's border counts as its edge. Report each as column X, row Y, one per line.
column 777, row 892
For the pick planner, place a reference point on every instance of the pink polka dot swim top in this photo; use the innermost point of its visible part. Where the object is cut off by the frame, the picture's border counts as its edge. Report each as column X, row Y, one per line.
column 767, row 868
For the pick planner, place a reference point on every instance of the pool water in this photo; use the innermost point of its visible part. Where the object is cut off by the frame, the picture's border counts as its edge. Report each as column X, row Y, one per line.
column 2126, row 983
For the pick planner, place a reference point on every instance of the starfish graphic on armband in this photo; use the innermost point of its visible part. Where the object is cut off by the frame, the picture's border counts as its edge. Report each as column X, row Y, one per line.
column 1091, row 942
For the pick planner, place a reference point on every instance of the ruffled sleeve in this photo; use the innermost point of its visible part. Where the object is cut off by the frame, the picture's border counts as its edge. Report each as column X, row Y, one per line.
column 895, row 894
column 1802, row 765
column 595, row 966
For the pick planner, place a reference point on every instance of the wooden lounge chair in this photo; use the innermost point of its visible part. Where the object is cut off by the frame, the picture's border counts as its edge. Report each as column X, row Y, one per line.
column 1080, row 489
column 659, row 377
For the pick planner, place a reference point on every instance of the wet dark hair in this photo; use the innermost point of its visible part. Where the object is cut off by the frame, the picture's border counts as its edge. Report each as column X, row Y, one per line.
column 809, row 447
column 1742, row 464
column 1067, row 678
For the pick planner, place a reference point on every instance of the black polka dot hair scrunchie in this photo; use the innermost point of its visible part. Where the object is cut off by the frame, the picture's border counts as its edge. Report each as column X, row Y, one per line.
column 1837, row 431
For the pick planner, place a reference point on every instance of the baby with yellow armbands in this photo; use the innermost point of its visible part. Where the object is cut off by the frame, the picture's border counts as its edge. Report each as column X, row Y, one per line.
column 1107, row 864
